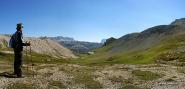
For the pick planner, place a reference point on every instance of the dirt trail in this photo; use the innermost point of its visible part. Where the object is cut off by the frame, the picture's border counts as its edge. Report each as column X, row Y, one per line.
column 72, row 76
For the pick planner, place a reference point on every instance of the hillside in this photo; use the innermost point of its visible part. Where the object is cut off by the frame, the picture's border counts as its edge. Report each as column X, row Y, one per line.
column 42, row 46
column 144, row 47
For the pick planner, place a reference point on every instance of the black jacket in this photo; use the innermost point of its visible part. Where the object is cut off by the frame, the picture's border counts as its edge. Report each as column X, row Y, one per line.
column 19, row 41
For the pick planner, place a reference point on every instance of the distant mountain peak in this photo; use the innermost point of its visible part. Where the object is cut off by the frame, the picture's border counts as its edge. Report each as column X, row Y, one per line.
column 76, row 46
column 103, row 41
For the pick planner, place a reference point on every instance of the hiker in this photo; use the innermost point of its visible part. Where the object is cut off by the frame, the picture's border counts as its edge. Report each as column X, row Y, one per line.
column 18, row 50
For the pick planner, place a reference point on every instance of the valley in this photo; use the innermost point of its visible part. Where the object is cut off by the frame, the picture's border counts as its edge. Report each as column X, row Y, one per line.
column 151, row 59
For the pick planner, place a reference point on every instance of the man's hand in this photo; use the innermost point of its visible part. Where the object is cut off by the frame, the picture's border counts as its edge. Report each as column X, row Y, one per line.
column 28, row 43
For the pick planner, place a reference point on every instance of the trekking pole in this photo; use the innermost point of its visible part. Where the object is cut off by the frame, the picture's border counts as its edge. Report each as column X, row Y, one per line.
column 27, row 57
column 31, row 61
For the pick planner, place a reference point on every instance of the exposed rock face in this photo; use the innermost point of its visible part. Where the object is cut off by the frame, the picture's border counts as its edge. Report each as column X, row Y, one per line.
column 76, row 46
column 80, row 46
column 49, row 47
column 4, row 41
column 179, row 22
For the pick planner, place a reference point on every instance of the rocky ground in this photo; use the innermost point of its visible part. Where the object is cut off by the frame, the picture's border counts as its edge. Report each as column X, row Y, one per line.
column 117, row 76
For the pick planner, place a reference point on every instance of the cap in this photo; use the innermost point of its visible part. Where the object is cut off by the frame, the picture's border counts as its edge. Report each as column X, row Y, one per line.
column 19, row 25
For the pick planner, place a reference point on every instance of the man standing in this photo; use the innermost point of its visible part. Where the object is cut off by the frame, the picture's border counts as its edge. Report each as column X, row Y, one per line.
column 18, row 50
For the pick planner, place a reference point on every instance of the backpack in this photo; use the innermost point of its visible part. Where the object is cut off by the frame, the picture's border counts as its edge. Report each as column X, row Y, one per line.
column 13, row 41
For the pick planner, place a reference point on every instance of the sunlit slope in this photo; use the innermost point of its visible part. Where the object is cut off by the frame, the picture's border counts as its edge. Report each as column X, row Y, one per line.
column 41, row 46
column 145, row 47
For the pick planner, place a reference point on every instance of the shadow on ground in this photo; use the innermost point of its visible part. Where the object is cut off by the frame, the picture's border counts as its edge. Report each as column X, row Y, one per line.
column 7, row 75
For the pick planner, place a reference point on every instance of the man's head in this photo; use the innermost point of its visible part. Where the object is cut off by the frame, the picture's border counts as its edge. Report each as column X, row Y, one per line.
column 19, row 27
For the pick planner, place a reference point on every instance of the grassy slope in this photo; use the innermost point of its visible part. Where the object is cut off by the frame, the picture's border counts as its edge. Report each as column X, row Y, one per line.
column 36, row 58
column 135, row 57
column 102, row 55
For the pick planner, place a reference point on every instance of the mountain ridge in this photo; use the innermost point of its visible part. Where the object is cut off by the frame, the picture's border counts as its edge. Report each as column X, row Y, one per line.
column 141, row 47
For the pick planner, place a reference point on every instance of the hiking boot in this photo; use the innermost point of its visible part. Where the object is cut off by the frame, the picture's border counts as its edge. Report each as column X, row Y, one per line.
column 20, row 76
column 13, row 76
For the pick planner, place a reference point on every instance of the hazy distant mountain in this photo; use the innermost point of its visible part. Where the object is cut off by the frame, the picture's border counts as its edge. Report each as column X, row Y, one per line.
column 103, row 41
column 76, row 46
column 80, row 46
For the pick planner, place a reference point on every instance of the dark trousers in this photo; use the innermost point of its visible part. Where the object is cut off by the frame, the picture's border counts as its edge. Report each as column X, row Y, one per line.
column 18, row 62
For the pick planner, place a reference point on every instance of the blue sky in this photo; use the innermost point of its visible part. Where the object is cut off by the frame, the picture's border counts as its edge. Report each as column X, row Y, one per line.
column 87, row 20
